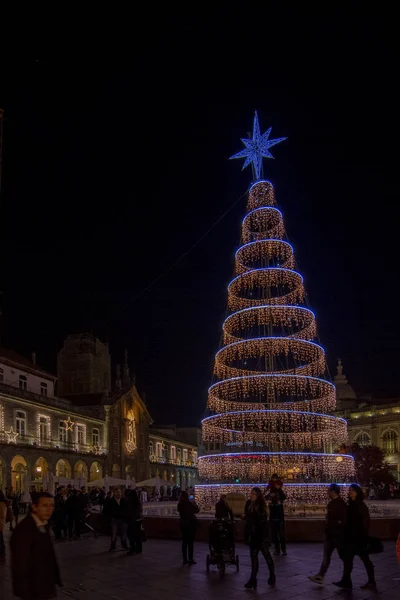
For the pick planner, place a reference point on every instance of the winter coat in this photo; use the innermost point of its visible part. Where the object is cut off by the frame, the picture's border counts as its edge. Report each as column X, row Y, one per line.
column 357, row 526
column 116, row 510
column 187, row 512
column 223, row 511
column 336, row 514
column 257, row 524
column 275, row 499
column 34, row 566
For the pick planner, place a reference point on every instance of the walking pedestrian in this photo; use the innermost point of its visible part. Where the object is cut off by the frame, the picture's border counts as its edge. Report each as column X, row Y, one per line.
column 356, row 539
column 259, row 532
column 34, row 567
column 116, row 511
column 60, row 515
column 72, row 507
column 3, row 516
column 135, row 522
column 187, row 509
column 334, row 531
column 275, row 498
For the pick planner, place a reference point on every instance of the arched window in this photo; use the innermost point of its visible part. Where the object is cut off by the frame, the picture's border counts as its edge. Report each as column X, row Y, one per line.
column 151, row 450
column 389, row 441
column 20, row 422
column 362, row 438
column 95, row 437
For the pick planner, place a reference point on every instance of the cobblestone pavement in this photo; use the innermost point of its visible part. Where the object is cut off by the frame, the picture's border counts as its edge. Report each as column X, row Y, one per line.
column 91, row 573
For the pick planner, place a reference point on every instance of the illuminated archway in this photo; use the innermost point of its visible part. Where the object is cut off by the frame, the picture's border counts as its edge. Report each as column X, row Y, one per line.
column 96, row 471
column 41, row 468
column 18, row 470
column 116, row 471
column 63, row 469
column 80, row 470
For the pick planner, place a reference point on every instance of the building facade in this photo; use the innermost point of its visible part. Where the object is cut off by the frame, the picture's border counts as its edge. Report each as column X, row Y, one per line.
column 83, row 436
column 173, row 454
column 370, row 421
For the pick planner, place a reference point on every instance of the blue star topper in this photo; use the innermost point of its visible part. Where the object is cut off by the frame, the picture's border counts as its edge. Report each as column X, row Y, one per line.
column 257, row 148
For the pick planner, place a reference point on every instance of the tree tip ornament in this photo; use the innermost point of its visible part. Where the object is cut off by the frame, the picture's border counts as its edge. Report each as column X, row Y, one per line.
column 257, row 148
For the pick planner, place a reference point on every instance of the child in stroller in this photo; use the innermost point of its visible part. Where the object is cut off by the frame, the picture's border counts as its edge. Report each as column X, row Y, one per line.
column 222, row 540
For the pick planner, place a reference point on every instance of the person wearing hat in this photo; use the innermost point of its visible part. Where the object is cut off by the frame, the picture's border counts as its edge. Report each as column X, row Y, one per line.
column 334, row 530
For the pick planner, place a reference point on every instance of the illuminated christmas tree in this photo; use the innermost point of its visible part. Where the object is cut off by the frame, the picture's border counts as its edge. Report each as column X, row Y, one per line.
column 269, row 401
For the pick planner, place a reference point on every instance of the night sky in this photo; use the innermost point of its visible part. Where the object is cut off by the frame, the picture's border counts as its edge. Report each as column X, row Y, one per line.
column 115, row 164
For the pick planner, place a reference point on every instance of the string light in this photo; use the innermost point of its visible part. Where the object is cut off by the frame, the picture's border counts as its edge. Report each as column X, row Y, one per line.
column 1, row 419
column 12, row 436
column 69, row 424
column 270, row 399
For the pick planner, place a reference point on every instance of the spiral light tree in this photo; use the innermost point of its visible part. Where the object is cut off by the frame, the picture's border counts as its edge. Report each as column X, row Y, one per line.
column 269, row 401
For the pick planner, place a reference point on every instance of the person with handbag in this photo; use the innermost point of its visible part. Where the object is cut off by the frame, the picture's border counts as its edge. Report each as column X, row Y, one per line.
column 356, row 540
column 187, row 509
column 134, row 513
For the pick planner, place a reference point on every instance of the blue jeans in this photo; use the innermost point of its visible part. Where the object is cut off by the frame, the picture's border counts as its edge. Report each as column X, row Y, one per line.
column 118, row 527
column 2, row 546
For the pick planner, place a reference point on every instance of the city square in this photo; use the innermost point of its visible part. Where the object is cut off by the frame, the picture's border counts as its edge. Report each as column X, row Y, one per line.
column 89, row 572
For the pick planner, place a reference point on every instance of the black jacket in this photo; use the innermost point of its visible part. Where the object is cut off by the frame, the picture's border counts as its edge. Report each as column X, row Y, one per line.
column 223, row 511
column 187, row 512
column 257, row 525
column 275, row 499
column 357, row 525
column 336, row 514
column 34, row 566
column 115, row 510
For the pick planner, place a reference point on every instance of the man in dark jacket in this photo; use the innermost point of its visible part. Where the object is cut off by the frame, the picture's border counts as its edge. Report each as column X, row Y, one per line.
column 116, row 510
column 34, row 567
column 334, row 530
column 275, row 498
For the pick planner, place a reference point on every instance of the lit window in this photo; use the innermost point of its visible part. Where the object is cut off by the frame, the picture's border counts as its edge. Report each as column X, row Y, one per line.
column 195, row 455
column 185, row 455
column 44, row 428
column 62, row 432
column 151, row 449
column 22, row 382
column 43, row 388
column 362, row 439
column 20, row 422
column 159, row 449
column 95, row 437
column 173, row 453
column 389, row 441
column 179, row 456
column 81, row 434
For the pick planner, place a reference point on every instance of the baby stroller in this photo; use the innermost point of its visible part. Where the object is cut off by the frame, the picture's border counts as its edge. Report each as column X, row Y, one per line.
column 222, row 546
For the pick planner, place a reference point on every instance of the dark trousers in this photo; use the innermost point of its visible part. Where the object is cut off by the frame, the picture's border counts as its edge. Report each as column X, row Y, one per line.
column 348, row 561
column 135, row 536
column 2, row 546
column 255, row 549
column 330, row 545
column 278, row 534
column 188, row 532
column 74, row 525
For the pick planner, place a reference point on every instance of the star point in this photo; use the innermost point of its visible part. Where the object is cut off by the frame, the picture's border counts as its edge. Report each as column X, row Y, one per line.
column 12, row 435
column 257, row 148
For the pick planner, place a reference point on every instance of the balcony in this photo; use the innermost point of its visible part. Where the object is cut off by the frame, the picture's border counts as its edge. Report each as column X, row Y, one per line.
column 50, row 444
column 163, row 460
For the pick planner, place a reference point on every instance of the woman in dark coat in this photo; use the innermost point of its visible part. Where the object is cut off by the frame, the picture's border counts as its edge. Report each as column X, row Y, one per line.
column 356, row 540
column 187, row 511
column 134, row 513
column 258, row 529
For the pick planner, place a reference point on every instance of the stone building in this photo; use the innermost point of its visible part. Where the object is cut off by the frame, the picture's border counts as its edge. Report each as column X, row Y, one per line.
column 370, row 421
column 173, row 453
column 101, row 430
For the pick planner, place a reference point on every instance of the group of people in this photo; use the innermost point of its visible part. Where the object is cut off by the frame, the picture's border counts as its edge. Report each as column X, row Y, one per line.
column 124, row 514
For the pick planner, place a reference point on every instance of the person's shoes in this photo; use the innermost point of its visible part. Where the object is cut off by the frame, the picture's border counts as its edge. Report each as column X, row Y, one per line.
column 370, row 585
column 272, row 579
column 316, row 579
column 112, row 548
column 251, row 584
column 185, row 561
column 284, row 553
column 131, row 552
column 277, row 553
column 192, row 562
column 125, row 546
column 345, row 585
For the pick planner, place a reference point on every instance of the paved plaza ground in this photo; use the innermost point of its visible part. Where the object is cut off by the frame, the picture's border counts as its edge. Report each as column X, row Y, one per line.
column 91, row 573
